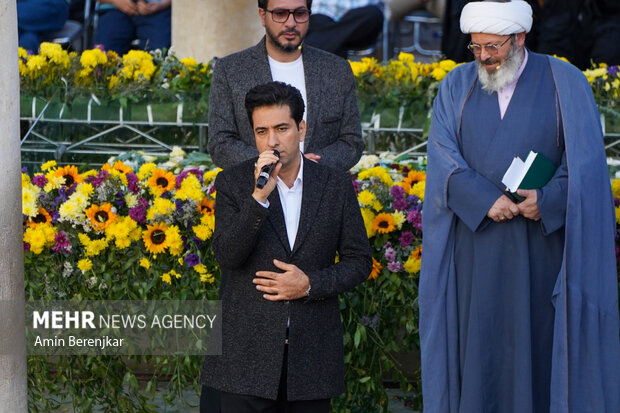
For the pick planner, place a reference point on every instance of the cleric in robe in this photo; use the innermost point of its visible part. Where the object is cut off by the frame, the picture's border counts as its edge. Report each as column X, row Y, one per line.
column 518, row 301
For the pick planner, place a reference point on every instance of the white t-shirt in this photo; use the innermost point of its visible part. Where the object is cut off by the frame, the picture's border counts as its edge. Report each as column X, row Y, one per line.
column 293, row 74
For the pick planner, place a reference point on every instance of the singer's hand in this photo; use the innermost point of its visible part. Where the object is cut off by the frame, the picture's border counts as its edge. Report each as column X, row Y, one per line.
column 264, row 159
column 288, row 285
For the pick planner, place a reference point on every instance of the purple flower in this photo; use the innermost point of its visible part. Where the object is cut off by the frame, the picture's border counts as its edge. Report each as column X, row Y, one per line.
column 39, row 180
column 397, row 192
column 191, row 260
column 413, row 200
column 180, row 178
column 406, row 239
column 370, row 322
column 132, row 183
column 138, row 213
column 25, row 170
column 101, row 177
column 613, row 70
column 390, row 254
column 62, row 244
column 616, row 202
column 414, row 217
column 120, row 199
column 395, row 266
column 357, row 186
column 400, row 204
column 197, row 242
column 26, row 246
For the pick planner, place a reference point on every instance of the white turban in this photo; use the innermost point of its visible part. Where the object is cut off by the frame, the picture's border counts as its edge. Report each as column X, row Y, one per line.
column 496, row 18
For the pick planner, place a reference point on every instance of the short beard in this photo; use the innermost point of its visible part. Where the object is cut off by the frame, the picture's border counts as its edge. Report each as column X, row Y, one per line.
column 286, row 48
column 496, row 81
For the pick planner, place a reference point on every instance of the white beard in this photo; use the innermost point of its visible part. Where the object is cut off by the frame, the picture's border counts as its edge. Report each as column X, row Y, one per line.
column 496, row 81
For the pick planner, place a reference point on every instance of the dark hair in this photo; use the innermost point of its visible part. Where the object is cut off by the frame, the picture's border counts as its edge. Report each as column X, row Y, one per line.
column 262, row 4
column 275, row 94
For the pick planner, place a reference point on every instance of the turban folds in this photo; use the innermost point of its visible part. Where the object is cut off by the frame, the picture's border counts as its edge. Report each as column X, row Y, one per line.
column 496, row 18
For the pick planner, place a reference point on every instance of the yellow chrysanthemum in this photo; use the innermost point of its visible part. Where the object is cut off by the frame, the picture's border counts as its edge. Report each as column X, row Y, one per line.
column 161, row 208
column 203, row 232
column 406, row 57
column 30, row 197
column 93, row 57
column 121, row 231
column 210, row 175
column 438, row 73
column 48, row 165
column 376, row 172
column 384, row 223
column 615, row 188
column 166, row 278
column 145, row 263
column 366, row 198
column 189, row 62
column 447, row 65
column 85, row 264
column 155, row 238
column 114, row 82
column 174, row 240
column 399, row 218
column 207, row 277
column 131, row 200
column 368, row 217
column 92, row 247
column 414, row 262
column 418, row 190
column 118, row 166
column 190, row 188
column 146, row 170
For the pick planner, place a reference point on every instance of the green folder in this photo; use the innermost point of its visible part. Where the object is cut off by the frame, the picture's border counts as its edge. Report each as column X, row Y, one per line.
column 534, row 173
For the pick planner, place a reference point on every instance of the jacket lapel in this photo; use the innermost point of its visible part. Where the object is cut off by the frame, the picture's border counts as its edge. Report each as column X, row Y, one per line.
column 261, row 69
column 312, row 74
column 314, row 182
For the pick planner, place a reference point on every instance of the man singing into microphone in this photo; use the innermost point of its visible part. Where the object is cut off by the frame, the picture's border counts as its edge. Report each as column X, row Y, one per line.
column 285, row 254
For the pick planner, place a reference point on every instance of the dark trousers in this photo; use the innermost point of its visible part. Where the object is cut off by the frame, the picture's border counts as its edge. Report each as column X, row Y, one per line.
column 35, row 17
column 356, row 30
column 241, row 403
column 116, row 30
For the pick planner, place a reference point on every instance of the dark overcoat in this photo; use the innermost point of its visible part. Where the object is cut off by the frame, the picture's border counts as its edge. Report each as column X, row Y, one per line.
column 247, row 238
column 334, row 130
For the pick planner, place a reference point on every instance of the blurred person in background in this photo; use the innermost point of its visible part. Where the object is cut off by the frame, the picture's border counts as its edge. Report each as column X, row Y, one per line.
column 123, row 21
column 37, row 17
column 338, row 26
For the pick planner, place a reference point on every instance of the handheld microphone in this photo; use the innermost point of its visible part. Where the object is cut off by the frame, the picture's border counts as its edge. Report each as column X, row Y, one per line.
column 265, row 173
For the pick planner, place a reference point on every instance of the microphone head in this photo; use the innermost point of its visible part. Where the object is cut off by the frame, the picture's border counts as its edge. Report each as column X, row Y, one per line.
column 276, row 153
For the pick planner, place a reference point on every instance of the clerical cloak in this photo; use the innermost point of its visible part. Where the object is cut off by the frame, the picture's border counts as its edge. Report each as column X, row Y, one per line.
column 515, row 304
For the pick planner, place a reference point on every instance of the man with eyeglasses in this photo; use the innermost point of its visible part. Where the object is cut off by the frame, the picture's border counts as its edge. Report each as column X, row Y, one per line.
column 518, row 299
column 326, row 83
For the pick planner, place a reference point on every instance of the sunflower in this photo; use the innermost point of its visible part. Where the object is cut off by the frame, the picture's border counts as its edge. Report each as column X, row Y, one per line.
column 42, row 217
column 384, row 223
column 413, row 177
column 376, row 269
column 118, row 166
column 155, row 238
column 70, row 173
column 206, row 206
column 161, row 181
column 101, row 216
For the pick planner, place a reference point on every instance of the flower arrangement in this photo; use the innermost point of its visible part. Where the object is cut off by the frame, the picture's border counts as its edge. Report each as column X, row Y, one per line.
column 104, row 77
column 605, row 83
column 380, row 316
column 385, row 88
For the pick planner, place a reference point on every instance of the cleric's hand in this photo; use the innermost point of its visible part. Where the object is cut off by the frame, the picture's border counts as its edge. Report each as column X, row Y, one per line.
column 126, row 6
column 264, row 159
column 529, row 207
column 503, row 209
column 288, row 285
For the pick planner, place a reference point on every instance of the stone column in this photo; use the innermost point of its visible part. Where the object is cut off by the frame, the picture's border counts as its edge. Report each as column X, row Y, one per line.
column 13, row 385
column 204, row 29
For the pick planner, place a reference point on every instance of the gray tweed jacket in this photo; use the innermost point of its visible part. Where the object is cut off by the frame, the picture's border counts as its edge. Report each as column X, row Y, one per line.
column 247, row 238
column 334, row 130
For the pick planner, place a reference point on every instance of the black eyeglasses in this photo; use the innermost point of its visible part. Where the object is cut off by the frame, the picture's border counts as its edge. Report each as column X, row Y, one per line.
column 475, row 48
column 301, row 15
